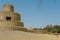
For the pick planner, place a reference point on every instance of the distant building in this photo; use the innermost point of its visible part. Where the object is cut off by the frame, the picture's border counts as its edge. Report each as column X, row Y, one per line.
column 30, row 28
column 10, row 19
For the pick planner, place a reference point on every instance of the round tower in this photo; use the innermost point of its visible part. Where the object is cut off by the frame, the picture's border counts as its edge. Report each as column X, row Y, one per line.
column 9, row 19
column 8, row 7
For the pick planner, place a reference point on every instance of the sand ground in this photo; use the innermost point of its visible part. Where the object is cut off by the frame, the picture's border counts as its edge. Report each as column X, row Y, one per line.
column 19, row 35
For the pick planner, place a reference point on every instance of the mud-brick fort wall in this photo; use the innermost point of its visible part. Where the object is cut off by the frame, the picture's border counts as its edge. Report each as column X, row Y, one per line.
column 8, row 18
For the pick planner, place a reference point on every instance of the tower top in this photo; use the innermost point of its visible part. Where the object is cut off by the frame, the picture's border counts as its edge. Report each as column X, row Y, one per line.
column 8, row 7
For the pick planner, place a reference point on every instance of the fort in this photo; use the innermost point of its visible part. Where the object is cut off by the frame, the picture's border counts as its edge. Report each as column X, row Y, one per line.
column 9, row 19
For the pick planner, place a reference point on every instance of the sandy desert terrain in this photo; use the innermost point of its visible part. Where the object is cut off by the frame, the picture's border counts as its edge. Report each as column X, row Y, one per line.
column 19, row 35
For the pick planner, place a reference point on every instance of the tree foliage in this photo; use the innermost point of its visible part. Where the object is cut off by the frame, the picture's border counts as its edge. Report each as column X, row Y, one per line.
column 53, row 29
column 50, row 28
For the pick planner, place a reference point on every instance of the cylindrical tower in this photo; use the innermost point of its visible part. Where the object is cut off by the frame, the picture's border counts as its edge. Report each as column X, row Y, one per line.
column 8, row 7
column 9, row 19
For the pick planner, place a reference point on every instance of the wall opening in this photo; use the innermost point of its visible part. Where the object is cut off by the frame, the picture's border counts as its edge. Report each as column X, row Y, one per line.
column 8, row 18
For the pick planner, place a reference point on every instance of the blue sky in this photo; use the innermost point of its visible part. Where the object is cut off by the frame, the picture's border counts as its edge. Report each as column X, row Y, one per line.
column 33, row 14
